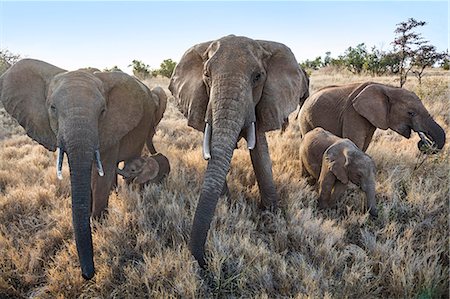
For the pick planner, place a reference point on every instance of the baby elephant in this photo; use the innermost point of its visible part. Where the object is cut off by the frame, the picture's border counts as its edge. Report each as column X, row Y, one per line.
column 144, row 170
column 335, row 161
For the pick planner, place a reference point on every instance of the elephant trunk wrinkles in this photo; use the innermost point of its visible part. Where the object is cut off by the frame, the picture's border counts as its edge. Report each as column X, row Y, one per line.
column 435, row 132
column 226, row 127
column 80, row 146
column 370, row 197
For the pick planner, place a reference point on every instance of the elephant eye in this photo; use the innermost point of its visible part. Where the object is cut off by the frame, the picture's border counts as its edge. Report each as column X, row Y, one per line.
column 103, row 112
column 412, row 113
column 53, row 108
column 256, row 77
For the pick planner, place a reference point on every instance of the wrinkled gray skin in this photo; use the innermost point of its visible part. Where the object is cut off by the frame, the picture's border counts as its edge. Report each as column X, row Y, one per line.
column 354, row 111
column 335, row 162
column 145, row 170
column 231, row 83
column 80, row 112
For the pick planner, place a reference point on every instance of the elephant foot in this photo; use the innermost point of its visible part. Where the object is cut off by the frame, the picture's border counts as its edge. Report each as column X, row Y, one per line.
column 269, row 204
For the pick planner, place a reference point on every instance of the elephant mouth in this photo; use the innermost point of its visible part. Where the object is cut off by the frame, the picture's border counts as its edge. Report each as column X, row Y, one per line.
column 251, row 138
column 60, row 158
column 426, row 144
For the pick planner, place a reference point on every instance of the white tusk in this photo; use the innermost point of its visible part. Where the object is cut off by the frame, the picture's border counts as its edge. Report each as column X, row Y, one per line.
column 251, row 136
column 59, row 162
column 98, row 162
column 424, row 139
column 207, row 142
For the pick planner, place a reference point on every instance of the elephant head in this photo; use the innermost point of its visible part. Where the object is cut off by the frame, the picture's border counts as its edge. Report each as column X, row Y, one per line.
column 74, row 113
column 145, row 169
column 398, row 109
column 350, row 164
column 228, row 87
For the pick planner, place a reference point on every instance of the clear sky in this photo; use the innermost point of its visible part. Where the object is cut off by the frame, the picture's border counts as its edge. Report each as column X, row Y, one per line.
column 103, row 34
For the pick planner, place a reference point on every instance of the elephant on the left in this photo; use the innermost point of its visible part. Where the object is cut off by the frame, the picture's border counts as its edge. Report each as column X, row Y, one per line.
column 96, row 118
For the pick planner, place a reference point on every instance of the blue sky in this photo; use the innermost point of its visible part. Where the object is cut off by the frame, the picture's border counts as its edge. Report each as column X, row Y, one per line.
column 102, row 34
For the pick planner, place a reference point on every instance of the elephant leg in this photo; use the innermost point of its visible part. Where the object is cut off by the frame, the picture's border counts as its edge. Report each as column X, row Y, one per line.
column 262, row 166
column 101, row 186
column 338, row 190
column 326, row 184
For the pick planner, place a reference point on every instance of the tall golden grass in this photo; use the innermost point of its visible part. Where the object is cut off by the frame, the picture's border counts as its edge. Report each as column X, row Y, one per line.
column 141, row 247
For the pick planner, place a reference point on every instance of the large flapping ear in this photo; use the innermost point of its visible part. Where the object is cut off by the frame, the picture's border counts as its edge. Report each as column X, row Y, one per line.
column 336, row 160
column 125, row 98
column 163, row 162
column 188, row 88
column 286, row 86
column 161, row 99
column 372, row 103
column 23, row 91
column 149, row 171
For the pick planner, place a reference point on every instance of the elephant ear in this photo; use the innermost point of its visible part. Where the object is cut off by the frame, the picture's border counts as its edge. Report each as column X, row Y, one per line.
column 161, row 99
column 125, row 98
column 23, row 92
column 188, row 88
column 372, row 103
column 149, row 172
column 336, row 161
column 286, row 87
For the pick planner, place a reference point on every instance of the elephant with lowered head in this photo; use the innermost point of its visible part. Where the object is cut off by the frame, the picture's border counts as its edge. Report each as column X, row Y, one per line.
column 145, row 170
column 354, row 111
column 96, row 118
column 230, row 88
column 335, row 162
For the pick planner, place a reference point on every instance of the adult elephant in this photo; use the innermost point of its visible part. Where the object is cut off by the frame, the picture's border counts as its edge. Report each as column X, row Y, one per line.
column 230, row 88
column 86, row 115
column 354, row 111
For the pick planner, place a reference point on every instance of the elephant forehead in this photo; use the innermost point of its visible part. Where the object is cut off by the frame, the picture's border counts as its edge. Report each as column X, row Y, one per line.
column 80, row 79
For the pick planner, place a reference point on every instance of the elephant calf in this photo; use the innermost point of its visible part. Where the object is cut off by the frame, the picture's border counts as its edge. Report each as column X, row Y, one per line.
column 144, row 170
column 335, row 161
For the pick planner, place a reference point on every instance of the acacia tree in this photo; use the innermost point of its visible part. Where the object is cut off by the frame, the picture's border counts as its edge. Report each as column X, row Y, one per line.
column 406, row 44
column 426, row 56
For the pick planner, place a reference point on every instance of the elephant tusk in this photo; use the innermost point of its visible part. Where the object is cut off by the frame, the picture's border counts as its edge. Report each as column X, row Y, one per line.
column 425, row 139
column 98, row 162
column 251, row 136
column 59, row 162
column 207, row 142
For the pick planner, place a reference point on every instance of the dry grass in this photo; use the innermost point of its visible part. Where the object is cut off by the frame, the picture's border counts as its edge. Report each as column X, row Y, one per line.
column 141, row 248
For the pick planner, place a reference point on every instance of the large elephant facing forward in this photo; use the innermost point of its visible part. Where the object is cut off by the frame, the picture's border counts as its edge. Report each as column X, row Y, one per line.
column 86, row 115
column 230, row 88
column 354, row 111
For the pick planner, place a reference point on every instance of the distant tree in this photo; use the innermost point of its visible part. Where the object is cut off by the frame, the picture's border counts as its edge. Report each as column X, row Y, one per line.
column 327, row 59
column 426, row 56
column 374, row 63
column 7, row 59
column 354, row 58
column 445, row 64
column 166, row 68
column 113, row 69
column 312, row 64
column 140, row 69
column 405, row 45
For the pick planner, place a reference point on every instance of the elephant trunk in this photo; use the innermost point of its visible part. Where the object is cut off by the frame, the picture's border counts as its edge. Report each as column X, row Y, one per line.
column 227, row 123
column 80, row 146
column 435, row 133
column 369, row 189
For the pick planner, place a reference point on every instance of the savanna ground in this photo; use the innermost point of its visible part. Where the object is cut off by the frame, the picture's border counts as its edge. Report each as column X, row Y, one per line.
column 141, row 250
